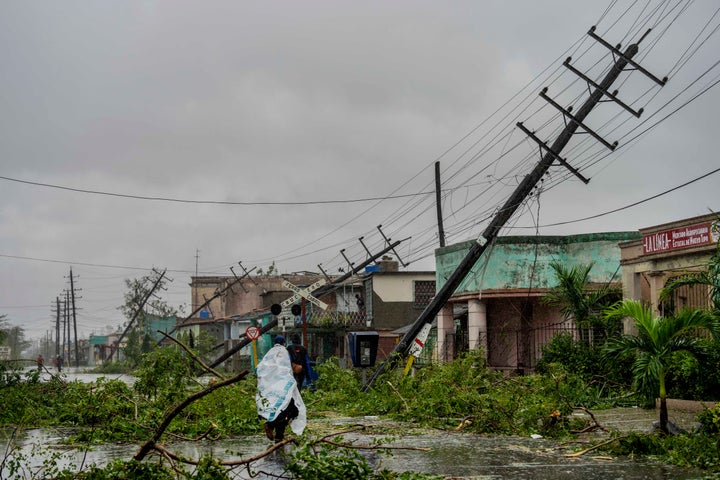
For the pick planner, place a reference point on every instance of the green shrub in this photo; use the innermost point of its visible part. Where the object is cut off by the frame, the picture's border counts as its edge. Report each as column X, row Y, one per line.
column 698, row 378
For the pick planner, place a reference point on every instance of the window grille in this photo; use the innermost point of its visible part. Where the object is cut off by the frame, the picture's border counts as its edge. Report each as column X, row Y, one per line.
column 424, row 293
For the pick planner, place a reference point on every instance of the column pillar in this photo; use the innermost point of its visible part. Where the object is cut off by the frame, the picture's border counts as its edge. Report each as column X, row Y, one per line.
column 657, row 282
column 477, row 325
column 445, row 334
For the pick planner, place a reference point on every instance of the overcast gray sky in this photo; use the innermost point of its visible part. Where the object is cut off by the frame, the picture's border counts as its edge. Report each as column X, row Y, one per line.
column 324, row 107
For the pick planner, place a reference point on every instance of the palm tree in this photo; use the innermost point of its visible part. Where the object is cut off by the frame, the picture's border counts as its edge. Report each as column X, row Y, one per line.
column 576, row 299
column 657, row 339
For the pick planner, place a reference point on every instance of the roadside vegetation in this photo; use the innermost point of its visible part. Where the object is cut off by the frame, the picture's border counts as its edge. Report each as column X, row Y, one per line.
column 462, row 395
column 594, row 368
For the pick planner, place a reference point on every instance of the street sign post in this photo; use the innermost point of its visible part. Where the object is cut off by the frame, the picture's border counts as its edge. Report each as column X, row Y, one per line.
column 253, row 333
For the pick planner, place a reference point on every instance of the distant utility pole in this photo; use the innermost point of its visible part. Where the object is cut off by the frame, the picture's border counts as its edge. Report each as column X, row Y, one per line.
column 66, row 326
column 573, row 122
column 57, row 327
column 72, row 296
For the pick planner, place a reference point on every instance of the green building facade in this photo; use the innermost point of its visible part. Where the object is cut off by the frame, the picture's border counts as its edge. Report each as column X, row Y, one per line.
column 498, row 305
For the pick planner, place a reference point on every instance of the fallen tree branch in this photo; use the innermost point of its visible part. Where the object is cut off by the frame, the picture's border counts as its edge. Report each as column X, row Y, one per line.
column 196, row 439
column 140, row 455
column 590, row 449
column 193, row 356
column 226, row 463
column 373, row 447
column 397, row 392
column 248, row 460
column 595, row 426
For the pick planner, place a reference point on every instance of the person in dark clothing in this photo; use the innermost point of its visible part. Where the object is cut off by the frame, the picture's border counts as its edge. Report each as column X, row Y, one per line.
column 360, row 302
column 299, row 360
column 360, row 305
column 275, row 430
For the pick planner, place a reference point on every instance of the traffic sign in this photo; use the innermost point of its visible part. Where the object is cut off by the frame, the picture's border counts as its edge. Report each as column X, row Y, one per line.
column 305, row 293
column 252, row 333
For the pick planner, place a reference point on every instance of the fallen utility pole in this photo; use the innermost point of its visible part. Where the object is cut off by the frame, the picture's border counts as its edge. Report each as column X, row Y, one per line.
column 508, row 209
column 141, row 305
column 323, row 290
column 217, row 294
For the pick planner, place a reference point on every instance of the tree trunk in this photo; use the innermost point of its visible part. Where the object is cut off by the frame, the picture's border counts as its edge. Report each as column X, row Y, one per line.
column 663, row 415
column 663, row 405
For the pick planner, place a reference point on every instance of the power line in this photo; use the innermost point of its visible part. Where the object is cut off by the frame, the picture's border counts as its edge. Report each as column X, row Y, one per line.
column 205, row 202
column 84, row 264
column 634, row 204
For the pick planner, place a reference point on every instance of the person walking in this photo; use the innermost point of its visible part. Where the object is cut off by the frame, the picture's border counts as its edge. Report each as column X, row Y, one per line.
column 278, row 398
column 40, row 362
column 299, row 360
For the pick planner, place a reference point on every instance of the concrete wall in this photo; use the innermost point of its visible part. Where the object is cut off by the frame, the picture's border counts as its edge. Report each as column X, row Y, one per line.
column 393, row 298
column 524, row 262
column 503, row 293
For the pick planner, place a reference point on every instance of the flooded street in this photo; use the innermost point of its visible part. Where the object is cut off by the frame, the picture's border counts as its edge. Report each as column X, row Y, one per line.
column 452, row 453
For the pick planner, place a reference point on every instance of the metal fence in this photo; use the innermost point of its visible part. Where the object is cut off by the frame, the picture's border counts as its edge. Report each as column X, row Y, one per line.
column 511, row 349
column 337, row 319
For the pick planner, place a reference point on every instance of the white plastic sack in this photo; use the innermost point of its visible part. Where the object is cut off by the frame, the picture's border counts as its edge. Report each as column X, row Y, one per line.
column 276, row 386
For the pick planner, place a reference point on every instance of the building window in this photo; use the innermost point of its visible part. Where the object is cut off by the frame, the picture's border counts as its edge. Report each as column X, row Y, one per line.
column 424, row 293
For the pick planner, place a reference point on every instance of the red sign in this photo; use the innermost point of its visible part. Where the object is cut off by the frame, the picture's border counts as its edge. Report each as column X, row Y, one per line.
column 252, row 333
column 677, row 238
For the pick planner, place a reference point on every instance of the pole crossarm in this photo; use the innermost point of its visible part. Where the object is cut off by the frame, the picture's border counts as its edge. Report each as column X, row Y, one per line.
column 215, row 295
column 567, row 113
column 628, row 59
column 545, row 146
column 387, row 240
column 611, row 95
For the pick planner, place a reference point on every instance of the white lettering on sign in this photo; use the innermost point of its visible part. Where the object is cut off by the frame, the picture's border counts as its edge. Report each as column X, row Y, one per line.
column 683, row 237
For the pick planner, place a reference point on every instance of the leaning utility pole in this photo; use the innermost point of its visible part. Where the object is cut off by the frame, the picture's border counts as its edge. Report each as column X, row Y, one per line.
column 140, row 306
column 438, row 205
column 516, row 199
column 322, row 290
column 218, row 293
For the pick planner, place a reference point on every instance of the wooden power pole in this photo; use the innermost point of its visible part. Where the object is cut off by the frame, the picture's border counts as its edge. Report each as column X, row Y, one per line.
column 552, row 153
